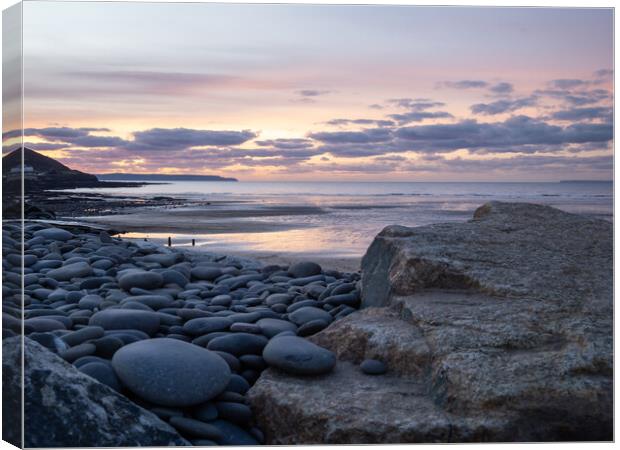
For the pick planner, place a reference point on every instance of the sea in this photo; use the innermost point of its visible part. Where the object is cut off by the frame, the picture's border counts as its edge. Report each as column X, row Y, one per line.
column 356, row 211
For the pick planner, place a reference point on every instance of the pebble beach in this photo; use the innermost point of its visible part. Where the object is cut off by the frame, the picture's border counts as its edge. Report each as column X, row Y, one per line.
column 182, row 334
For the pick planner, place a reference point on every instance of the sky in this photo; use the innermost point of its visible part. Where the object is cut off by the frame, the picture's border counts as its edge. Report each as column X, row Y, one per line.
column 318, row 92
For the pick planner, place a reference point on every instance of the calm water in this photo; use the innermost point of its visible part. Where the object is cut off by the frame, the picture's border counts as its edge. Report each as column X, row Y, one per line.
column 358, row 211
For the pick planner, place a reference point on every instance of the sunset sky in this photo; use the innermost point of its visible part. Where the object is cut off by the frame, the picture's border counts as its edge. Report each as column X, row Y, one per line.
column 303, row 92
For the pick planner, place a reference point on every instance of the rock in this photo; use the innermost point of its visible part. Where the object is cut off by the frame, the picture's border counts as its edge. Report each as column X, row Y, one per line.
column 298, row 356
column 42, row 324
column 312, row 327
column 205, row 273
column 498, row 329
column 75, row 270
column 170, row 372
column 205, row 412
column 305, row 269
column 66, row 408
column 308, row 314
column 239, row 344
column 232, row 434
column 204, row 325
column 271, row 327
column 140, row 279
column 195, row 428
column 234, row 412
column 373, row 367
column 103, row 373
column 54, row 234
column 126, row 319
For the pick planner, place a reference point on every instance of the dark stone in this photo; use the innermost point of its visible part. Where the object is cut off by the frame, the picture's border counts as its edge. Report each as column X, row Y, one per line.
column 239, row 344
column 195, row 428
column 64, row 407
column 234, row 412
column 204, row 325
column 127, row 319
column 232, row 434
column 103, row 373
column 170, row 372
column 305, row 269
column 312, row 327
column 373, row 367
column 298, row 356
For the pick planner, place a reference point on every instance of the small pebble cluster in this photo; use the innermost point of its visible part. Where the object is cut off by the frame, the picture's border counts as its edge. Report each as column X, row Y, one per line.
column 185, row 335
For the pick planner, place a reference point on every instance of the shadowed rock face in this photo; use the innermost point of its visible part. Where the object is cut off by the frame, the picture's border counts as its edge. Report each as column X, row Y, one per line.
column 66, row 408
column 499, row 329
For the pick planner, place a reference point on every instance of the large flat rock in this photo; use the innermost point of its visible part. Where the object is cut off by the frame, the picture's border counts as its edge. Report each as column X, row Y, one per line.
column 499, row 329
column 66, row 408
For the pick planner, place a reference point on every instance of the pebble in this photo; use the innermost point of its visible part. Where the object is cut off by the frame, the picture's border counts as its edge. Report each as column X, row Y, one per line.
column 305, row 269
column 54, row 234
column 373, row 367
column 195, row 428
column 75, row 270
column 312, row 327
column 271, row 327
column 204, row 325
column 140, row 279
column 102, row 373
column 232, row 434
column 234, row 412
column 170, row 372
column 298, row 356
column 239, row 344
column 308, row 314
column 124, row 319
column 84, row 334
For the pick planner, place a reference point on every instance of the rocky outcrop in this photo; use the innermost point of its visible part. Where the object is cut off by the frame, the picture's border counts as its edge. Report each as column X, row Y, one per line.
column 66, row 408
column 498, row 329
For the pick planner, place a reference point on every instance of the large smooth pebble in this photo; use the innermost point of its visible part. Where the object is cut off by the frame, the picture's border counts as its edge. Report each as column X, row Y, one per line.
column 298, row 356
column 54, row 234
column 140, row 279
column 171, row 372
column 309, row 313
column 239, row 344
column 305, row 269
column 75, row 270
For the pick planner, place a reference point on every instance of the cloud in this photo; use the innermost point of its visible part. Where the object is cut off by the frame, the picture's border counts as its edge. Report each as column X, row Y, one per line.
column 520, row 133
column 604, row 73
column 375, row 106
column 286, row 144
column 464, row 84
column 379, row 123
column 415, row 116
column 372, row 135
column 577, row 98
column 502, row 88
column 312, row 92
column 575, row 114
column 415, row 104
column 180, row 138
column 503, row 106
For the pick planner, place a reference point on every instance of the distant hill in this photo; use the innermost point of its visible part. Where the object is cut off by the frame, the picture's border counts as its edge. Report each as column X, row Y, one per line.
column 41, row 173
column 161, row 177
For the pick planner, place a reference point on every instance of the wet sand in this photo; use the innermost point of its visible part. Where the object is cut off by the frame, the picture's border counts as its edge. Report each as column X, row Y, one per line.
column 206, row 220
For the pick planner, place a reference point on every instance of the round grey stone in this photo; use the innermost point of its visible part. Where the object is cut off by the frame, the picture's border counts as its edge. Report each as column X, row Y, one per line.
column 140, row 279
column 309, row 313
column 305, row 269
column 298, row 356
column 171, row 372
column 373, row 367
